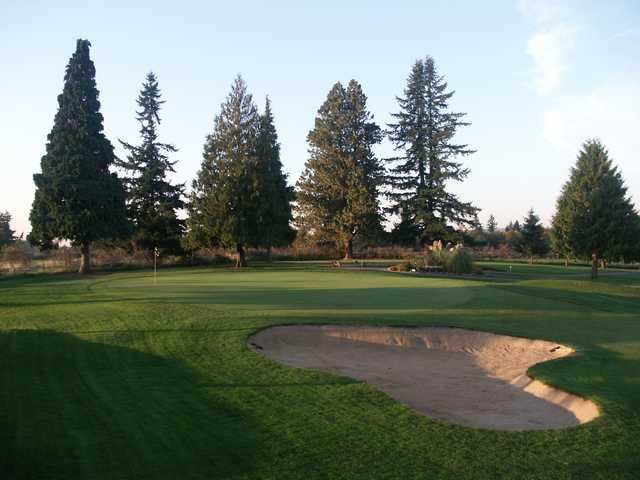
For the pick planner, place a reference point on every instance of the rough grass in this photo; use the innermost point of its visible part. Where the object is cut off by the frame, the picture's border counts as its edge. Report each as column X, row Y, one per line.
column 115, row 377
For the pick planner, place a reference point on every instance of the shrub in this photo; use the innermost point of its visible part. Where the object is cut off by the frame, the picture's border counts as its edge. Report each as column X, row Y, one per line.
column 460, row 261
column 437, row 258
column 16, row 257
column 210, row 257
column 65, row 257
column 405, row 266
column 418, row 263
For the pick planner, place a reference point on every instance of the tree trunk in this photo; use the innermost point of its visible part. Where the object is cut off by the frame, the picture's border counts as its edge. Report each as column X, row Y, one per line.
column 348, row 249
column 241, row 260
column 85, row 258
column 269, row 259
column 531, row 260
column 566, row 262
column 594, row 266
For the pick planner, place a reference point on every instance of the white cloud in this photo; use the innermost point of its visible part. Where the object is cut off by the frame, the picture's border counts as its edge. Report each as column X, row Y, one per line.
column 550, row 50
column 610, row 112
column 543, row 11
column 551, row 44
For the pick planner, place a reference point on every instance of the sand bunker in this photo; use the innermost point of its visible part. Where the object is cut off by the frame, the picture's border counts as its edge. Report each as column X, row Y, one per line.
column 466, row 377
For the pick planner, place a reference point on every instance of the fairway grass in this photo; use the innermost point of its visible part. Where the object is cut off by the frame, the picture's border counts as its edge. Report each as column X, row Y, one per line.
column 113, row 376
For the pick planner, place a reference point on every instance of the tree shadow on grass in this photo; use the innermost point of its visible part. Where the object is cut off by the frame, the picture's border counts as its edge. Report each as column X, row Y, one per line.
column 469, row 299
column 604, row 373
column 608, row 301
column 71, row 408
column 404, row 298
column 29, row 302
column 396, row 298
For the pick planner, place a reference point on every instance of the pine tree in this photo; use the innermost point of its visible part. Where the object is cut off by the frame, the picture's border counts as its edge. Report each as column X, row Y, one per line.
column 222, row 207
column 338, row 190
column 532, row 240
column 274, row 196
column 152, row 201
column 512, row 226
column 7, row 235
column 492, row 225
column 405, row 232
column 423, row 133
column 595, row 217
column 77, row 197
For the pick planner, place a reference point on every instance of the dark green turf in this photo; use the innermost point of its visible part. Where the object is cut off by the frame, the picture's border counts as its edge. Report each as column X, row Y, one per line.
column 115, row 377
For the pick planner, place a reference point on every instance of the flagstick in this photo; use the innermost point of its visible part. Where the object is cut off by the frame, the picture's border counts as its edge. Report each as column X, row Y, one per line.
column 155, row 265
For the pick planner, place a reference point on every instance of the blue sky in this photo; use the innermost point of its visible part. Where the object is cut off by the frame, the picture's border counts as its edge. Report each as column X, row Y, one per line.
column 536, row 78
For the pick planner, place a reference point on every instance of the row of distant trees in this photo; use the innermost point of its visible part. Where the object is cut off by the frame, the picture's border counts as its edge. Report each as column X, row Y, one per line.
column 241, row 197
column 594, row 216
column 528, row 237
column 7, row 235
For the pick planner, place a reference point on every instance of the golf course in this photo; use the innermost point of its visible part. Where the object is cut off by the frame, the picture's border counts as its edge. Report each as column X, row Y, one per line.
column 321, row 241
column 118, row 375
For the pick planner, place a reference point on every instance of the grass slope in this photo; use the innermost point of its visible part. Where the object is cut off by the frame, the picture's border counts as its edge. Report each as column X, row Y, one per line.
column 115, row 377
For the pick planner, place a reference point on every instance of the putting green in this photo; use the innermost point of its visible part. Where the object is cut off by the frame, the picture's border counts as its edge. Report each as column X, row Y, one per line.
column 115, row 377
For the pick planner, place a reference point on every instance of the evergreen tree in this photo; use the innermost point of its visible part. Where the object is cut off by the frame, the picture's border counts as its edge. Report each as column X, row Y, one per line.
column 7, row 236
column 513, row 226
column 77, row 197
column 595, row 217
column 492, row 225
column 274, row 196
column 405, row 232
column 222, row 207
column 338, row 190
column 152, row 201
column 532, row 240
column 424, row 133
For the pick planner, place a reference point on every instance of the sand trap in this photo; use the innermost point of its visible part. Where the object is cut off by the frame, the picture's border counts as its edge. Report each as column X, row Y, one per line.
column 466, row 377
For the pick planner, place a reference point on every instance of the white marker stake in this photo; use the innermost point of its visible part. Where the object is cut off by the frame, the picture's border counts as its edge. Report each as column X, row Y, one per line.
column 156, row 253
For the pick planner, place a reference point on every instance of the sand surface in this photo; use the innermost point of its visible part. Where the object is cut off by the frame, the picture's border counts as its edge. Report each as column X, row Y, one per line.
column 461, row 376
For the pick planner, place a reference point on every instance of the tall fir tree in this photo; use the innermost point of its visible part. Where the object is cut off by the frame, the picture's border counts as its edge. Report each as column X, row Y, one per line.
column 423, row 133
column 595, row 217
column 338, row 190
column 532, row 240
column 7, row 235
column 222, row 206
column 492, row 225
column 274, row 195
column 152, row 201
column 77, row 197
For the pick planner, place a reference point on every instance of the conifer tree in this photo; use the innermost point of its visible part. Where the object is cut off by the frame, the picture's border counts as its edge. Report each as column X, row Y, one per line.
column 222, row 207
column 7, row 235
column 423, row 133
column 405, row 232
column 595, row 217
column 152, row 201
column 513, row 226
column 274, row 195
column 492, row 225
column 531, row 240
column 338, row 190
column 77, row 197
